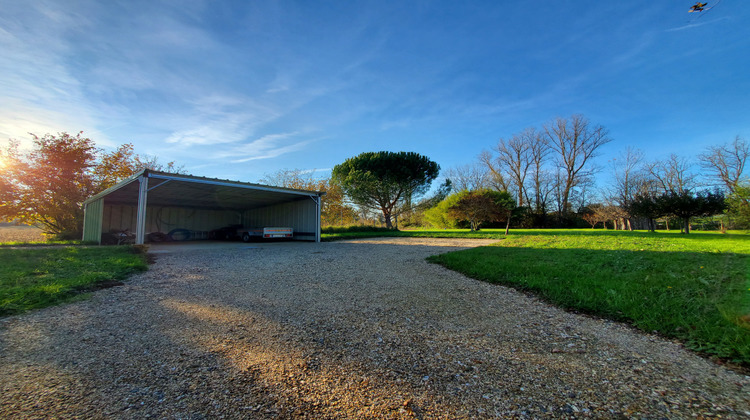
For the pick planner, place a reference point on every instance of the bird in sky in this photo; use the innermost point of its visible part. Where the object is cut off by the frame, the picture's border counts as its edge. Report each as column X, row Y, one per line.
column 697, row 7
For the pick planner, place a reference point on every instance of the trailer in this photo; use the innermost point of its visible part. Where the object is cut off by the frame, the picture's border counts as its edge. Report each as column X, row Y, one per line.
column 248, row 235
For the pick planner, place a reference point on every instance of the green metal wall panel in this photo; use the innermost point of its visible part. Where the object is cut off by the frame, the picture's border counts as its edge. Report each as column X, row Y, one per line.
column 92, row 221
column 300, row 215
column 164, row 219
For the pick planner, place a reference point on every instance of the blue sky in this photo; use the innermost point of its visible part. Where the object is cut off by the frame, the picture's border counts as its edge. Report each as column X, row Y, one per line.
column 237, row 90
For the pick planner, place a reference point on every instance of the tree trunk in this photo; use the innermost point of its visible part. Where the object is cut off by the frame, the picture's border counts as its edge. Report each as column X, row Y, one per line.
column 630, row 224
column 387, row 217
column 687, row 225
column 507, row 226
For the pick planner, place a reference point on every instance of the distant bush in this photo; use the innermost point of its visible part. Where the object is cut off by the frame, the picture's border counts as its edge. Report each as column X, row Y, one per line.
column 353, row 229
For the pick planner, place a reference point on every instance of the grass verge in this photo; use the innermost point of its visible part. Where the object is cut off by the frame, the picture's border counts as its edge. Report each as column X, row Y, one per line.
column 692, row 287
column 33, row 278
column 25, row 244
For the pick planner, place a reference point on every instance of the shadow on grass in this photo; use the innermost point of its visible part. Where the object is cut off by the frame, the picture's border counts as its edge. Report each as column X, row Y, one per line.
column 693, row 235
column 500, row 234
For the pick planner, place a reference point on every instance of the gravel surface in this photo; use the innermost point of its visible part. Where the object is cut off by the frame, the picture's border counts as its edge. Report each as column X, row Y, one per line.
column 352, row 329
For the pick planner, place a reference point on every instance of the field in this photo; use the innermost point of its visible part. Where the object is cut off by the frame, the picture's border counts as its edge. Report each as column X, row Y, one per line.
column 695, row 288
column 25, row 234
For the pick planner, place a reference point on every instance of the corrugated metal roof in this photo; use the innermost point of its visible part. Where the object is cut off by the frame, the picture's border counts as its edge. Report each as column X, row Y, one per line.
column 175, row 190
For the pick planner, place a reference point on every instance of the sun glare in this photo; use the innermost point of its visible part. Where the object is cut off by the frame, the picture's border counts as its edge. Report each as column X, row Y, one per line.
column 5, row 163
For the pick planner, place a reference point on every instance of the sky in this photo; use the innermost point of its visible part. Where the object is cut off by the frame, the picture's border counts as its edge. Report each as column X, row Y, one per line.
column 242, row 89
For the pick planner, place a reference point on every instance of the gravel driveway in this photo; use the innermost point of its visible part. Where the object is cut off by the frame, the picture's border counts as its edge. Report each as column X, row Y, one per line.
column 354, row 329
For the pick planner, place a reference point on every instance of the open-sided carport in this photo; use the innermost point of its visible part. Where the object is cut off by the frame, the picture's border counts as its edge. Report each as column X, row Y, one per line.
column 152, row 201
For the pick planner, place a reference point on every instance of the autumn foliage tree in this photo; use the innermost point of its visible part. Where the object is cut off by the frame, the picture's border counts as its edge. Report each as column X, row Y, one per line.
column 46, row 186
column 50, row 182
column 594, row 214
column 334, row 207
column 483, row 206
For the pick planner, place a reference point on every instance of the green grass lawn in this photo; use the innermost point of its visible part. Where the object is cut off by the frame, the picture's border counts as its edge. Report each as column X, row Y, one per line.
column 692, row 287
column 42, row 276
column 416, row 233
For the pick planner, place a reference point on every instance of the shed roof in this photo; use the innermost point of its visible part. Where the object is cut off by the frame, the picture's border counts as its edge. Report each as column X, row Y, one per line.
column 176, row 190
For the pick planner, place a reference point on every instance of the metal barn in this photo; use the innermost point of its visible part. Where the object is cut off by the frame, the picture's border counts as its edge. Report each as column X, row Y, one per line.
column 151, row 201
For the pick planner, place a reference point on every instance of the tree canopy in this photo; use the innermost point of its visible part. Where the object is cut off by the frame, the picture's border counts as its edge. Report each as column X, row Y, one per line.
column 484, row 206
column 438, row 216
column 334, row 209
column 382, row 180
column 686, row 205
column 683, row 205
column 47, row 186
column 739, row 205
column 646, row 206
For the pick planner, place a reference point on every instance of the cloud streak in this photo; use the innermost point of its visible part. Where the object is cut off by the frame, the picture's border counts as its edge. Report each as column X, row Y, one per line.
column 695, row 25
column 265, row 147
column 218, row 119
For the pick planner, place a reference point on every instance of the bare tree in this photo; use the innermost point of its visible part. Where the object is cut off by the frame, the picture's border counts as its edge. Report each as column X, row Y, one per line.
column 469, row 177
column 629, row 179
column 544, row 187
column 517, row 157
column 583, row 194
column 627, row 172
column 557, row 191
column 497, row 179
column 541, row 180
column 520, row 167
column 576, row 142
column 289, row 178
column 726, row 163
column 620, row 218
column 673, row 175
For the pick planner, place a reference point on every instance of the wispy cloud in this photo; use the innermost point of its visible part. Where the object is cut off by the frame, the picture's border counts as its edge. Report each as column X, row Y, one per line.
column 695, row 24
column 636, row 50
column 315, row 171
column 265, row 147
column 221, row 119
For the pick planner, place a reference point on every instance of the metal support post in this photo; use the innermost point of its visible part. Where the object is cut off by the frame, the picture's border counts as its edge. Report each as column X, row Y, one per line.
column 140, row 229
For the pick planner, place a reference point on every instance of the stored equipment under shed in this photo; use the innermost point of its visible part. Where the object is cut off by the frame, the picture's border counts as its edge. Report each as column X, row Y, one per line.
column 165, row 206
